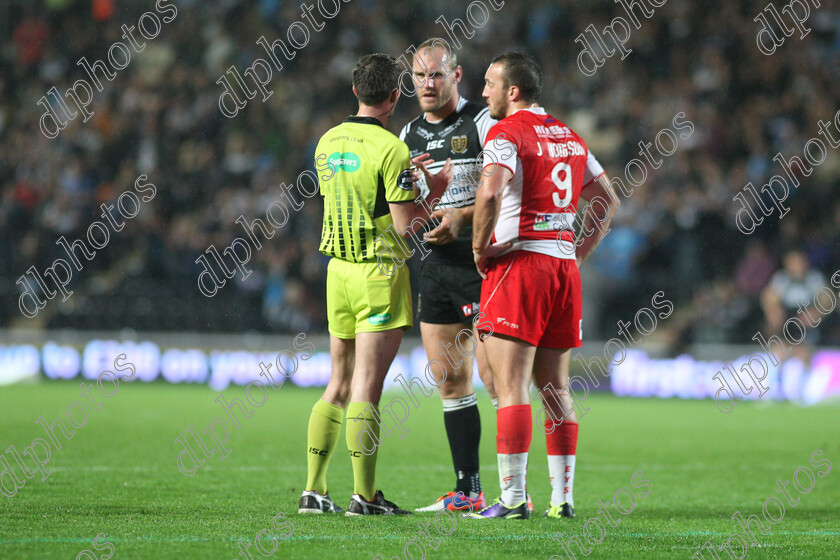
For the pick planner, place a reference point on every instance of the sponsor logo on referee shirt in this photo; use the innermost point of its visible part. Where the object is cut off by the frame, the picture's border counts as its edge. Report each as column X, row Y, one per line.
column 348, row 161
column 379, row 319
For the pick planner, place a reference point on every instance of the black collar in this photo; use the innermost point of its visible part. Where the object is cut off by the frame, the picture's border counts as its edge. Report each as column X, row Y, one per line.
column 363, row 120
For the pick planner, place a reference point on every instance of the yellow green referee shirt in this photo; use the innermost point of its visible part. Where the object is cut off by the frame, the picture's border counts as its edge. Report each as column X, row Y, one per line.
column 362, row 167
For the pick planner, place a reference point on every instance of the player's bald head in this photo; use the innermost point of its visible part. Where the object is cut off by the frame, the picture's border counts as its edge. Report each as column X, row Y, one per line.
column 439, row 49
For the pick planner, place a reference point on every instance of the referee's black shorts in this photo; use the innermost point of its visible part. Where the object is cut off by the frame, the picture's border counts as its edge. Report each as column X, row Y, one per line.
column 448, row 293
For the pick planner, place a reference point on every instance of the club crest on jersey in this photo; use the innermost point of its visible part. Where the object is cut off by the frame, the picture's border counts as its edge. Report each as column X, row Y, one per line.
column 459, row 144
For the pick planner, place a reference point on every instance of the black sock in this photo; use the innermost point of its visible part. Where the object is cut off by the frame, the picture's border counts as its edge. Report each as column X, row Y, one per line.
column 463, row 428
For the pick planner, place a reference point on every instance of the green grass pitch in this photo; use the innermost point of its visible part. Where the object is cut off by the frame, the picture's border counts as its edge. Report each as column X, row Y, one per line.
column 118, row 476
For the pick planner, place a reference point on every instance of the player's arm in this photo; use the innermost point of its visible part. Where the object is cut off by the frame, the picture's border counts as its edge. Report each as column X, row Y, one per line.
column 602, row 204
column 408, row 217
column 488, row 203
column 451, row 223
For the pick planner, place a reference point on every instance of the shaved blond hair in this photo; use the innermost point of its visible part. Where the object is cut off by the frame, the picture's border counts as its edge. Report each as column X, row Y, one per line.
column 449, row 59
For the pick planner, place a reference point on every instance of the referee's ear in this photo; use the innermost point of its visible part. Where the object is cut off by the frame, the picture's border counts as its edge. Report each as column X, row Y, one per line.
column 392, row 101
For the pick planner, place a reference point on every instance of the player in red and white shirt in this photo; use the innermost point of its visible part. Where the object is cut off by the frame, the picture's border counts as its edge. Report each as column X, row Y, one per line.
column 535, row 171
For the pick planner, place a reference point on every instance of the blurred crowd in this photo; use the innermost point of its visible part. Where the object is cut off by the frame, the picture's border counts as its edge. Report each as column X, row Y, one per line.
column 160, row 117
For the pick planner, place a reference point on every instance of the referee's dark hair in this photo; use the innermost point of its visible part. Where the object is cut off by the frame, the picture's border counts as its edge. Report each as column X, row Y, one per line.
column 375, row 77
column 522, row 71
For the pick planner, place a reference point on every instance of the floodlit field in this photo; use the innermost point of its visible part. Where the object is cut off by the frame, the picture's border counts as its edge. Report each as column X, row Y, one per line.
column 118, row 476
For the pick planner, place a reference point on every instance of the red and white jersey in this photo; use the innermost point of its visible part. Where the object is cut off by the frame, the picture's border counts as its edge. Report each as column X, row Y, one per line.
column 551, row 165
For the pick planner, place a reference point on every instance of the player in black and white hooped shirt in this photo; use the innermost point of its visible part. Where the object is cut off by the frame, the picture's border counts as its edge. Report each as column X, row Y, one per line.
column 451, row 130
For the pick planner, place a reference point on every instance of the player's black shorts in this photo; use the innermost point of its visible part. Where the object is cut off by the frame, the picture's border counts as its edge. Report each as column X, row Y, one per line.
column 448, row 293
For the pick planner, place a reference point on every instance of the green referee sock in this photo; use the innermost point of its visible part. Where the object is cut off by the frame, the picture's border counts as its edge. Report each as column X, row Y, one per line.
column 363, row 442
column 324, row 427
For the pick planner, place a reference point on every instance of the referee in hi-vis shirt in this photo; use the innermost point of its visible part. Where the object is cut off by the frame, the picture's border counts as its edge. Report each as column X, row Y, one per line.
column 367, row 187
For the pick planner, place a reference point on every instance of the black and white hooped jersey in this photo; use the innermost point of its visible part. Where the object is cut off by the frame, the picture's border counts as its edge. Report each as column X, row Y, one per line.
column 460, row 136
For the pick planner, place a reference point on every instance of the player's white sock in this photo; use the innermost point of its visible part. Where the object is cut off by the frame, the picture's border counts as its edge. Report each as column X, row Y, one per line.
column 495, row 402
column 561, row 445
column 561, row 469
column 512, row 470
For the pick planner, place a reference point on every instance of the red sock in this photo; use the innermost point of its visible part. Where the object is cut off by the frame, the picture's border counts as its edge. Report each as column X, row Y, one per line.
column 512, row 442
column 514, row 429
column 563, row 440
